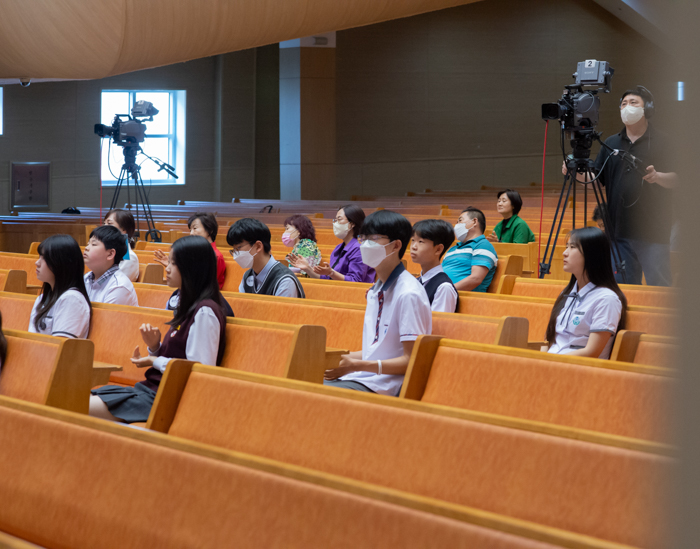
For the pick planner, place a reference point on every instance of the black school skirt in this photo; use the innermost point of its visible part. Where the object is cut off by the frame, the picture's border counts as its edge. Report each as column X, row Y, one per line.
column 130, row 404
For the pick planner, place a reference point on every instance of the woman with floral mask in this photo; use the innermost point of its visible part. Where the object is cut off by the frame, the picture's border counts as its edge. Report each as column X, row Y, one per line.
column 346, row 260
column 300, row 235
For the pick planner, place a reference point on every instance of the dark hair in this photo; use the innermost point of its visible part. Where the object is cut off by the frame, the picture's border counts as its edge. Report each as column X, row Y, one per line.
column 64, row 258
column 195, row 259
column 391, row 224
column 302, row 224
column 438, row 231
column 113, row 239
column 477, row 214
column 599, row 213
column 355, row 215
column 208, row 221
column 125, row 221
column 515, row 200
column 3, row 345
column 251, row 231
column 641, row 92
column 595, row 247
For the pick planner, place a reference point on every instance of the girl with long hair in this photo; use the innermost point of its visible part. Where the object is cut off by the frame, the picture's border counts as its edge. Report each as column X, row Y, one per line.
column 592, row 308
column 63, row 309
column 197, row 332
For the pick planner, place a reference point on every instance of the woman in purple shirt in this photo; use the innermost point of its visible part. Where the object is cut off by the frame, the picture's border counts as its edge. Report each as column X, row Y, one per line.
column 346, row 260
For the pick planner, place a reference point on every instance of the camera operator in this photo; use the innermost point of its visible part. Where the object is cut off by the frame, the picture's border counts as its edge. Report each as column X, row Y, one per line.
column 639, row 202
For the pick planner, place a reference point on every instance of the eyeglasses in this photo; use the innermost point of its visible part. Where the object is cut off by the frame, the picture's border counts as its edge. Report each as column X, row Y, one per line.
column 373, row 237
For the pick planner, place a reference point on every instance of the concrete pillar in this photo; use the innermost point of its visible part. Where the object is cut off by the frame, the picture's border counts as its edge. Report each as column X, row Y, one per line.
column 307, row 118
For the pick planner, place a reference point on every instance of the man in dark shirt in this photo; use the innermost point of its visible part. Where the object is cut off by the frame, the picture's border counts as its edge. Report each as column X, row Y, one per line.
column 639, row 204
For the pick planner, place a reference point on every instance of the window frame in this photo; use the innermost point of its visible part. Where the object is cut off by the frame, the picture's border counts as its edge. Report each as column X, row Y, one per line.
column 176, row 137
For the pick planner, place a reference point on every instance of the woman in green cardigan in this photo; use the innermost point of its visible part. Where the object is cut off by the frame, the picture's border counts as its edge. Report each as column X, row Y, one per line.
column 511, row 229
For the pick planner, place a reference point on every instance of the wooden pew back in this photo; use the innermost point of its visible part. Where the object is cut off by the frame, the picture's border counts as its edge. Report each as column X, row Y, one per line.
column 69, row 475
column 344, row 321
column 584, row 393
column 639, row 348
column 521, row 472
column 264, row 347
column 47, row 370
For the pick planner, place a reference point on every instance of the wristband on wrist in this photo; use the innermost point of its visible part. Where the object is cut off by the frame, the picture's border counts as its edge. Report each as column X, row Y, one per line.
column 379, row 367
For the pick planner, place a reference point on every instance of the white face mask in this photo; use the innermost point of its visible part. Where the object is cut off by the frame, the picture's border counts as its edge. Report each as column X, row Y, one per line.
column 373, row 254
column 341, row 231
column 631, row 115
column 244, row 259
column 461, row 232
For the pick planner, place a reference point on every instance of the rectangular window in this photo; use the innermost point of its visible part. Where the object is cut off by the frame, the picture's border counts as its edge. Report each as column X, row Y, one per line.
column 165, row 135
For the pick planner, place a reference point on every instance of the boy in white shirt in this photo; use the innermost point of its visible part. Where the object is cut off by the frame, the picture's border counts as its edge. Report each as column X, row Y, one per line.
column 398, row 311
column 105, row 283
column 430, row 240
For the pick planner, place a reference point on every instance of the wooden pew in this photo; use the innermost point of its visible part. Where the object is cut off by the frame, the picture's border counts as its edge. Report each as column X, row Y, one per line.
column 529, row 471
column 48, row 370
column 13, row 280
column 67, row 485
column 646, row 296
column 264, row 347
column 583, row 393
column 344, row 321
column 640, row 348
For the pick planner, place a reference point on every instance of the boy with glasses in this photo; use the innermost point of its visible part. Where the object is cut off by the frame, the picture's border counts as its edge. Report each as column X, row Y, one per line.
column 398, row 311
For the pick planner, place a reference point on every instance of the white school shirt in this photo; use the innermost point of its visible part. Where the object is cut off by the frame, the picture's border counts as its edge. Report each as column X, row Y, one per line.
column 112, row 287
column 285, row 288
column 404, row 316
column 69, row 317
column 130, row 267
column 593, row 309
column 202, row 341
column 445, row 298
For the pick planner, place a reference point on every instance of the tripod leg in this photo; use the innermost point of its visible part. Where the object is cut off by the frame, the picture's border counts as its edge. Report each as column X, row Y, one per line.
column 118, row 187
column 545, row 265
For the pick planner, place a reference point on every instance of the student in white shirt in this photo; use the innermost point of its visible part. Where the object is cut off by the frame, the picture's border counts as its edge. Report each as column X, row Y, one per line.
column 197, row 332
column 63, row 309
column 592, row 308
column 250, row 240
column 430, row 240
column 106, row 283
column 398, row 311
column 124, row 221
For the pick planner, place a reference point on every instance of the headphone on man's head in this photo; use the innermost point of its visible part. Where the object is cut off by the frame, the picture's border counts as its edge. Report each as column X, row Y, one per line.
column 647, row 97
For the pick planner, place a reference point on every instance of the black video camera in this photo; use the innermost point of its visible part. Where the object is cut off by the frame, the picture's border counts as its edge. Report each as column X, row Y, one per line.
column 132, row 130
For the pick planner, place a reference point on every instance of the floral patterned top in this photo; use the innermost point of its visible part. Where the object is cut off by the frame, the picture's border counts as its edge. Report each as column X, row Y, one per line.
column 308, row 249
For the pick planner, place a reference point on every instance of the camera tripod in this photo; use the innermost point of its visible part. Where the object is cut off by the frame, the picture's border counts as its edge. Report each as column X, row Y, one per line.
column 579, row 162
column 131, row 170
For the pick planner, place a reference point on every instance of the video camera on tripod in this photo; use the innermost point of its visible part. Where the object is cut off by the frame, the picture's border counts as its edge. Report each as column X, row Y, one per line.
column 577, row 112
column 128, row 134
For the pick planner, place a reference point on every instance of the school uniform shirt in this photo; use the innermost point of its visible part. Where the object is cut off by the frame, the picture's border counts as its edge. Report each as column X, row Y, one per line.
column 202, row 341
column 130, row 266
column 397, row 311
column 445, row 299
column 592, row 309
column 112, row 287
column 69, row 317
column 460, row 258
column 286, row 287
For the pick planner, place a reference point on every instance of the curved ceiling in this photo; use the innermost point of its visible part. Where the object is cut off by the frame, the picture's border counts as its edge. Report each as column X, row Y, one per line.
column 84, row 39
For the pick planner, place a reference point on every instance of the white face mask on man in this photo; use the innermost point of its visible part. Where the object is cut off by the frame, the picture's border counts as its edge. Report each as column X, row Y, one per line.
column 631, row 115
column 244, row 258
column 461, row 230
column 373, row 254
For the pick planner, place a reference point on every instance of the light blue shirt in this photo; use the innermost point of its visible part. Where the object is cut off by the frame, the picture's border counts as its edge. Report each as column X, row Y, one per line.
column 460, row 258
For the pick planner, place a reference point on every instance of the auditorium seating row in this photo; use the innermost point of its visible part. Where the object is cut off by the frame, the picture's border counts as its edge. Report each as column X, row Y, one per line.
column 525, row 483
